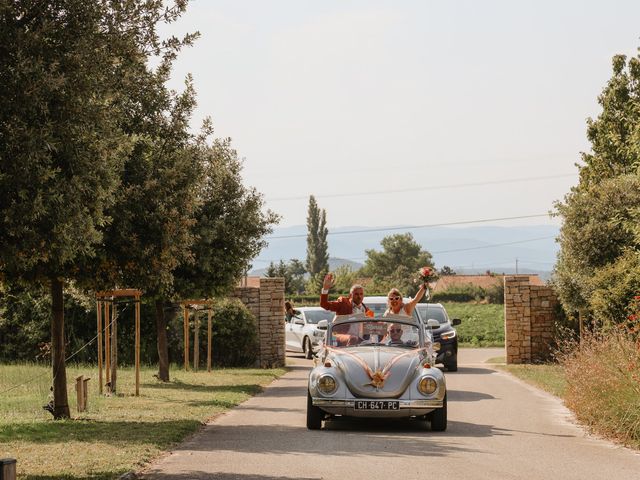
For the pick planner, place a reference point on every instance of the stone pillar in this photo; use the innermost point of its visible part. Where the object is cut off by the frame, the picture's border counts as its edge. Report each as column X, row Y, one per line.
column 529, row 317
column 271, row 325
column 267, row 305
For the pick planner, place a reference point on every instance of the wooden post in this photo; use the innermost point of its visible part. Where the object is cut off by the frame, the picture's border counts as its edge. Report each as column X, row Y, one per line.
column 79, row 393
column 99, row 311
column 209, row 340
column 196, row 341
column 186, row 338
column 137, row 298
column 107, row 347
column 8, row 469
column 85, row 392
column 114, row 347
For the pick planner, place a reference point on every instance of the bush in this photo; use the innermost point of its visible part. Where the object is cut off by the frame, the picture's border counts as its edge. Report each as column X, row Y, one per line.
column 617, row 284
column 603, row 384
column 470, row 293
column 235, row 334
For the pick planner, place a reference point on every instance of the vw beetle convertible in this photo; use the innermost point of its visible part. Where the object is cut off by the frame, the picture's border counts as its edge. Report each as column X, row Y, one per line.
column 380, row 367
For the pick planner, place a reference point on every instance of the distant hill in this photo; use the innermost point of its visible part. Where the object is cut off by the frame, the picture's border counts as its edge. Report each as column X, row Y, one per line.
column 465, row 249
column 333, row 264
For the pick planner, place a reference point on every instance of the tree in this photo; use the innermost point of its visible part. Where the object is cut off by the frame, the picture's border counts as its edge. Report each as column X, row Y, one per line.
column 68, row 72
column 346, row 277
column 293, row 273
column 598, row 240
column 398, row 262
column 597, row 230
column 317, row 262
column 614, row 135
column 150, row 234
column 447, row 270
column 230, row 225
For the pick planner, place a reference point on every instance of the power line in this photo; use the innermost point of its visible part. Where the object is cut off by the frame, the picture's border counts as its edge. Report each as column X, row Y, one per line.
column 432, row 225
column 422, row 189
column 495, row 245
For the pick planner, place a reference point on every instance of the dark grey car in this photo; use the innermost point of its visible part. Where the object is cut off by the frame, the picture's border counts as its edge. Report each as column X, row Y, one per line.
column 445, row 334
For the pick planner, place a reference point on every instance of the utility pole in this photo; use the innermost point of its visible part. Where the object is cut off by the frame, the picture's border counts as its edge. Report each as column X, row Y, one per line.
column 516, row 266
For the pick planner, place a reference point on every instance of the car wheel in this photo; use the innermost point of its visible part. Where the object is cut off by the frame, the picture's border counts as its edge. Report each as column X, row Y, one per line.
column 308, row 351
column 452, row 364
column 315, row 415
column 439, row 417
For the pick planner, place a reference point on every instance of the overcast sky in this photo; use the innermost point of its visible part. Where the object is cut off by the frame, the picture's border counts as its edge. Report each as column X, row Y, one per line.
column 476, row 108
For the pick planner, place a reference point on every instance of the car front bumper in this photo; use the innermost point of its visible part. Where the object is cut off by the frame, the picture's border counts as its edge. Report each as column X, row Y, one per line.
column 408, row 408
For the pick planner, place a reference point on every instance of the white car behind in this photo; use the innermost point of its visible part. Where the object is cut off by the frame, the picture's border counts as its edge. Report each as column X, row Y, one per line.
column 302, row 332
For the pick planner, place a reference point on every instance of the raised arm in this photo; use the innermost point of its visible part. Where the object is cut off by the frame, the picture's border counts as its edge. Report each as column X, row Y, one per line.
column 324, row 295
column 412, row 304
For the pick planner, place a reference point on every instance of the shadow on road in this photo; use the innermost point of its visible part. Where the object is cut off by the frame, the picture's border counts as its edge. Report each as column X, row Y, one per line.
column 467, row 396
column 195, row 475
column 342, row 437
column 473, row 371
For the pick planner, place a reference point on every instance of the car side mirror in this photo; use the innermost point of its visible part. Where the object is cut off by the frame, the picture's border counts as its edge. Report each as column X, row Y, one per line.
column 298, row 321
column 456, row 321
column 323, row 324
column 433, row 323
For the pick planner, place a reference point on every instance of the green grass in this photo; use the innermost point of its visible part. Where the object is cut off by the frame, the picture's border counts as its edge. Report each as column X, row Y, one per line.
column 549, row 377
column 482, row 324
column 118, row 433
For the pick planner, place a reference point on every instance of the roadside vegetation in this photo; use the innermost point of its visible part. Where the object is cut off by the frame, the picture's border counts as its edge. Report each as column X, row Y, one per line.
column 116, row 434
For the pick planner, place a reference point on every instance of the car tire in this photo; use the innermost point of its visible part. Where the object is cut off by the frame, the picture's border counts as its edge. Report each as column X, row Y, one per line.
column 315, row 415
column 452, row 364
column 308, row 350
column 438, row 417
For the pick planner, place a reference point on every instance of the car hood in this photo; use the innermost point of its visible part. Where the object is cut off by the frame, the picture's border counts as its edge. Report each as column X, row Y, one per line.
column 359, row 364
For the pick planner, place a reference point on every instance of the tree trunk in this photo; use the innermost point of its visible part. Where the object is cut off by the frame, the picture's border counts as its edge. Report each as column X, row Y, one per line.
column 60, row 401
column 163, row 347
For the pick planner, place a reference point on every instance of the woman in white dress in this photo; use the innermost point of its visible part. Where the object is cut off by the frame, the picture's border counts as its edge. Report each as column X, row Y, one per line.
column 396, row 306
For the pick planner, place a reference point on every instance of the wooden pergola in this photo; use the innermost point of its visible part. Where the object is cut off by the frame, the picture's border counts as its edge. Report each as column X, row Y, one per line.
column 104, row 301
column 192, row 305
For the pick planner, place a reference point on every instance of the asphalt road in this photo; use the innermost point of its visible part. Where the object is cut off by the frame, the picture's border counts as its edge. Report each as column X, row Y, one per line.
column 499, row 428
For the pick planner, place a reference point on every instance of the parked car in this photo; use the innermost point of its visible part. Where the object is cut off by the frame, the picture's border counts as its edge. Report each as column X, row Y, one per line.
column 373, row 376
column 444, row 334
column 302, row 332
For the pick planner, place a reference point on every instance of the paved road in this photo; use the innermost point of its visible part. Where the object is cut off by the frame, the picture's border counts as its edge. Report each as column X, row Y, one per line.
column 499, row 428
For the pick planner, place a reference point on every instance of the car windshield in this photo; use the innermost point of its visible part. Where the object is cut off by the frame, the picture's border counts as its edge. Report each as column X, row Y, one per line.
column 395, row 331
column 429, row 311
column 379, row 309
column 314, row 316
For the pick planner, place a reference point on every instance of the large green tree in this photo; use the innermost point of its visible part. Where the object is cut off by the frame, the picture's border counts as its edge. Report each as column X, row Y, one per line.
column 68, row 77
column 230, row 225
column 598, row 249
column 293, row 273
column 615, row 133
column 317, row 262
column 397, row 264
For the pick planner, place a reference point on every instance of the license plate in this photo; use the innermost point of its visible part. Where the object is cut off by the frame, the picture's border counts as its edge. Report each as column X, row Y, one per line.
column 377, row 405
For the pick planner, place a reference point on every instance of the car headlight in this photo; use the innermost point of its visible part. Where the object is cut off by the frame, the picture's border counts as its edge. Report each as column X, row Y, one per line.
column 327, row 384
column 318, row 333
column 448, row 335
column 427, row 385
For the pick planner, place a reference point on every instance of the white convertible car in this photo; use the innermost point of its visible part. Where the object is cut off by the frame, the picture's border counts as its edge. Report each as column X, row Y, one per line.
column 376, row 367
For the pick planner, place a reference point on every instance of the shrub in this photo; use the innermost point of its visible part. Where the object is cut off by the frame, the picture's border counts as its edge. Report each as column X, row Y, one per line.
column 603, row 384
column 235, row 334
column 469, row 293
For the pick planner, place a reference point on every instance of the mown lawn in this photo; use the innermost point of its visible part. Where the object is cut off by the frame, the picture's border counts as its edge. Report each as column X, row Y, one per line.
column 482, row 324
column 119, row 433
